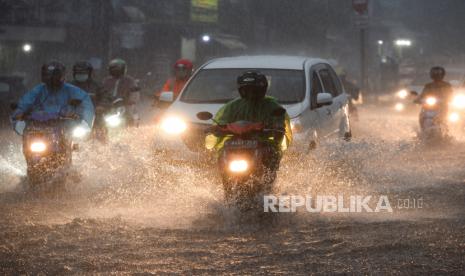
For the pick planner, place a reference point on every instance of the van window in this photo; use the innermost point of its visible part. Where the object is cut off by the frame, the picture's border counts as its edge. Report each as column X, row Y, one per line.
column 336, row 81
column 219, row 85
column 328, row 84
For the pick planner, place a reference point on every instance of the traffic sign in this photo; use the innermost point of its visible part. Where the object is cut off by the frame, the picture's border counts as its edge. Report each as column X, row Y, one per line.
column 360, row 6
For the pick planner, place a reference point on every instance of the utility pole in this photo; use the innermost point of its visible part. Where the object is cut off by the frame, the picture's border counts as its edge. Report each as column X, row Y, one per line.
column 361, row 8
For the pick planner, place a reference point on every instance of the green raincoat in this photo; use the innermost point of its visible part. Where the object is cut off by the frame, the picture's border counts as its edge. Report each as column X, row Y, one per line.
column 241, row 109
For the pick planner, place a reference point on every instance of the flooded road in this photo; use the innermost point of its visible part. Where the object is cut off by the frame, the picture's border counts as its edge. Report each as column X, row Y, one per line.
column 130, row 211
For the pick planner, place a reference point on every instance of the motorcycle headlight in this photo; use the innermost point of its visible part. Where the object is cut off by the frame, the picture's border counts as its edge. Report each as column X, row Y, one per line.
column 459, row 101
column 79, row 132
column 454, row 117
column 113, row 120
column 431, row 101
column 173, row 125
column 399, row 107
column 238, row 166
column 38, row 146
column 402, row 94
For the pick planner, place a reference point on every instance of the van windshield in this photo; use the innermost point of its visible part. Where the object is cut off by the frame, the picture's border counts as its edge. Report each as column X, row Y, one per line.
column 219, row 85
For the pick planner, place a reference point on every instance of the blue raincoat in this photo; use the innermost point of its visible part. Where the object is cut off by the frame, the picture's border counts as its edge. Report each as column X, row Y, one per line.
column 39, row 99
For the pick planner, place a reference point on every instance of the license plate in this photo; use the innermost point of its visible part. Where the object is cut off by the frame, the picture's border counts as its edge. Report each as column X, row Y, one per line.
column 248, row 144
column 430, row 114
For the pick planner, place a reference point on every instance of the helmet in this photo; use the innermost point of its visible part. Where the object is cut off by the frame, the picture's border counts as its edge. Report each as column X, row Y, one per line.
column 437, row 73
column 82, row 71
column 252, row 85
column 117, row 67
column 53, row 74
column 183, row 63
column 183, row 69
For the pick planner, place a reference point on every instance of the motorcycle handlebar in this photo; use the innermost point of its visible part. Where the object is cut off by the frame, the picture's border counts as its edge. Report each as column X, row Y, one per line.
column 21, row 117
column 221, row 130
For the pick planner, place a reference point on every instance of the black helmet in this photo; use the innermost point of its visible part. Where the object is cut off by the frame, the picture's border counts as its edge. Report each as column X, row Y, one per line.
column 117, row 67
column 53, row 74
column 82, row 71
column 252, row 85
column 437, row 73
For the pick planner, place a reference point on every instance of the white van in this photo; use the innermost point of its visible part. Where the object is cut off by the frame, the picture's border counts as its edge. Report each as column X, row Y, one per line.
column 308, row 88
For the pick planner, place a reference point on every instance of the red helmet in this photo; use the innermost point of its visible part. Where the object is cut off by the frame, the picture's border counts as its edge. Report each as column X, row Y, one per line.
column 184, row 63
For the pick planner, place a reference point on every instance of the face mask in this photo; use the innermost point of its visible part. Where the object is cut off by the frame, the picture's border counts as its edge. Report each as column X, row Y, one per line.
column 116, row 72
column 81, row 77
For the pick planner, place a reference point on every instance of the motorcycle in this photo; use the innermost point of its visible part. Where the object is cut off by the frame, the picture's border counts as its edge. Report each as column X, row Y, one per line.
column 248, row 162
column 48, row 142
column 112, row 119
column 432, row 122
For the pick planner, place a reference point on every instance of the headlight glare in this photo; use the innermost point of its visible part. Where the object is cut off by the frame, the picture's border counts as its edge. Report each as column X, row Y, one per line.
column 173, row 125
column 402, row 94
column 238, row 166
column 38, row 146
column 459, row 101
column 454, row 117
column 113, row 120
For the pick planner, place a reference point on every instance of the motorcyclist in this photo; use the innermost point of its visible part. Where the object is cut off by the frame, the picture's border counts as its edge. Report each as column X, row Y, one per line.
column 253, row 105
column 121, row 85
column 82, row 78
column 439, row 89
column 54, row 96
column 182, row 72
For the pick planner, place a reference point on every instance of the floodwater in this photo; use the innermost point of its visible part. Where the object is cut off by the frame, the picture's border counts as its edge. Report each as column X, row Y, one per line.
column 126, row 210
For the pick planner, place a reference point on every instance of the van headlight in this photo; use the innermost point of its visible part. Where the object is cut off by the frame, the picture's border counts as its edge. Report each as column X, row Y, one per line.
column 38, row 147
column 399, row 107
column 431, row 101
column 173, row 125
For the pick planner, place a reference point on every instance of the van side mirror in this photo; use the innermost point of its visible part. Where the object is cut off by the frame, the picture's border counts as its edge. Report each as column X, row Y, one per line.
column 324, row 99
column 204, row 115
column 167, row 97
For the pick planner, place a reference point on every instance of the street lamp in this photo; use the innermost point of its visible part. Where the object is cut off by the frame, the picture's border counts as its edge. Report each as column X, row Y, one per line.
column 27, row 47
column 403, row 42
column 206, row 38
column 380, row 47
